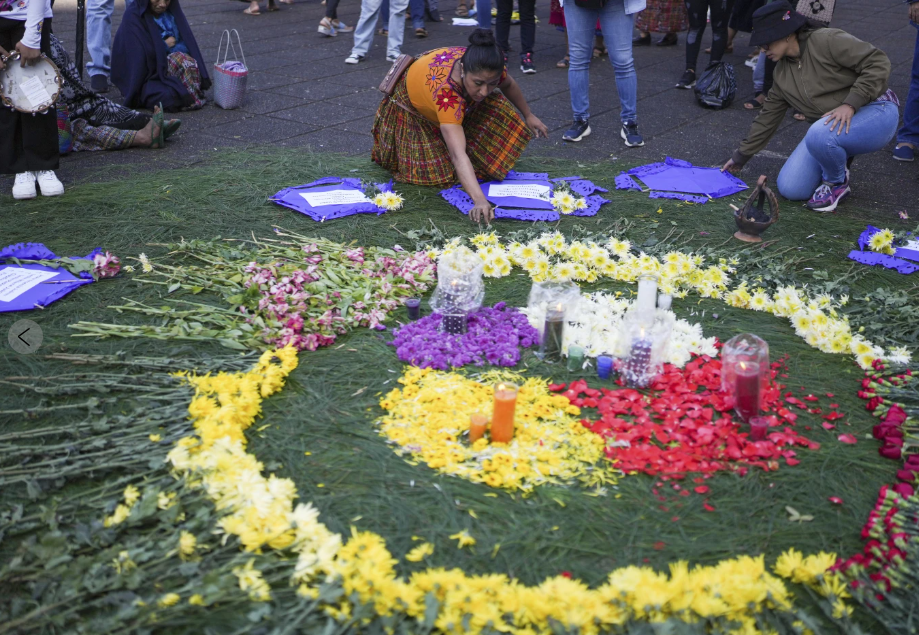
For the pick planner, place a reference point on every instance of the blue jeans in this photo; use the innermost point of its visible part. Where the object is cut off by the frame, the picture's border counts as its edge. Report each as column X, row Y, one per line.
column 617, row 34
column 821, row 156
column 363, row 32
column 99, row 36
column 759, row 74
column 483, row 13
column 416, row 9
column 909, row 133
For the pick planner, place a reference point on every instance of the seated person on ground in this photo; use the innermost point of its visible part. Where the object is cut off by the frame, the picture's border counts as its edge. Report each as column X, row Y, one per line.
column 839, row 83
column 98, row 123
column 444, row 122
column 155, row 59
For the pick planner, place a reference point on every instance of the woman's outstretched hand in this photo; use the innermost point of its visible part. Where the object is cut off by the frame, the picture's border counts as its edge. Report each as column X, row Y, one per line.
column 537, row 126
column 731, row 167
column 482, row 211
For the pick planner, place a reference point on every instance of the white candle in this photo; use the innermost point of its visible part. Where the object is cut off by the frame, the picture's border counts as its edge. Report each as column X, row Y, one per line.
column 664, row 301
column 647, row 294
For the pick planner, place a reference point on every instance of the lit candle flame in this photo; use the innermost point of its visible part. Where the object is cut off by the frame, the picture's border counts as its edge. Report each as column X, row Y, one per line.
column 501, row 387
column 743, row 366
column 559, row 307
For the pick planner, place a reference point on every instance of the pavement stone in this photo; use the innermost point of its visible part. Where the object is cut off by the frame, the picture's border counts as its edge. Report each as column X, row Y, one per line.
column 301, row 94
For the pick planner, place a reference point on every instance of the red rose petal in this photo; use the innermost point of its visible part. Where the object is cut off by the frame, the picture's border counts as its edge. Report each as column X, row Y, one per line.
column 848, row 438
column 828, row 426
column 707, row 507
column 835, row 500
column 702, row 489
column 659, row 545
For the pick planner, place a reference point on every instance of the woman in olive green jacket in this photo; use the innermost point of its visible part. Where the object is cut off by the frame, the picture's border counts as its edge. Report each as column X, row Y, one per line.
column 840, row 84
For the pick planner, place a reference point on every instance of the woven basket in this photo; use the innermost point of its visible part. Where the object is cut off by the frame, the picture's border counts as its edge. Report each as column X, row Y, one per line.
column 230, row 84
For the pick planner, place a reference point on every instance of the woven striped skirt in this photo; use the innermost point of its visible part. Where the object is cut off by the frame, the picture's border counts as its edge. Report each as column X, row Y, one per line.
column 412, row 148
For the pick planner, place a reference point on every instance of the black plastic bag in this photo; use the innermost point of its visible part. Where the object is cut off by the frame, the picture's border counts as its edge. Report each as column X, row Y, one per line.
column 717, row 86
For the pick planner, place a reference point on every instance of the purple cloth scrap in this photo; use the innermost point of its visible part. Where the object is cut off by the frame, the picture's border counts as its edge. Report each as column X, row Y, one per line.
column 290, row 197
column 626, row 182
column 701, row 200
column 528, row 209
column 890, row 262
column 27, row 251
column 674, row 175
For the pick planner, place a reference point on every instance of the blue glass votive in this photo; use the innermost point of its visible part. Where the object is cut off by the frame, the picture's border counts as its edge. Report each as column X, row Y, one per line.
column 604, row 366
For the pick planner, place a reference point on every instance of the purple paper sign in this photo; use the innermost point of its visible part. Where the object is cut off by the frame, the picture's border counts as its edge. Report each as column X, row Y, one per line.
column 524, row 208
column 674, row 175
column 27, row 287
column 890, row 262
column 626, row 182
column 701, row 200
column 292, row 198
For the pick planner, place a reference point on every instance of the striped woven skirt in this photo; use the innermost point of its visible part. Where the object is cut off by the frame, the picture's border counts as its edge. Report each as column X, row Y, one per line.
column 412, row 148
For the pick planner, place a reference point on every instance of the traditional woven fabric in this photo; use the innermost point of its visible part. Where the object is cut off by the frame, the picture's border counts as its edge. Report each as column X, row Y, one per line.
column 412, row 148
column 556, row 14
column 663, row 16
column 184, row 68
column 64, row 132
column 87, row 138
column 83, row 103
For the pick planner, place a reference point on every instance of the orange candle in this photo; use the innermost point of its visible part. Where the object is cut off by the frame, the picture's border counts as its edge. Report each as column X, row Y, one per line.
column 502, row 420
column 477, row 425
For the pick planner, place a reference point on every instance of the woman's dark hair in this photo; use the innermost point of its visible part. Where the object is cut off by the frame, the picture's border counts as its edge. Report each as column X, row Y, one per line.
column 483, row 53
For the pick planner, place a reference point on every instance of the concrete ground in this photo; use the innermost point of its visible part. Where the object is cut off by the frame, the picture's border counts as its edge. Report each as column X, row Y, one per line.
column 301, row 94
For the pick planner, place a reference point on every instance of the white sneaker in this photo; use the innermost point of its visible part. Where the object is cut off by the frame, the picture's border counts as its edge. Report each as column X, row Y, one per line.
column 326, row 28
column 48, row 183
column 353, row 59
column 24, row 187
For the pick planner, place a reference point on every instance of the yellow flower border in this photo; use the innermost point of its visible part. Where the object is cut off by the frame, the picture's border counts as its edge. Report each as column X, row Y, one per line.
column 260, row 511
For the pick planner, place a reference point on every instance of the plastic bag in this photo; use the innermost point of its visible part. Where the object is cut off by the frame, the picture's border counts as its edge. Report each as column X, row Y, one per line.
column 717, row 86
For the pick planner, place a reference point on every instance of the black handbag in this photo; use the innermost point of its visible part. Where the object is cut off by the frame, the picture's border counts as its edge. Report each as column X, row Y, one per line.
column 717, row 86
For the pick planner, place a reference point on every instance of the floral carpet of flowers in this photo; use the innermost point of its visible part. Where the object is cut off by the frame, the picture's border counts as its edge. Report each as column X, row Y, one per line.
column 684, row 424
column 428, row 420
column 552, row 257
column 337, row 290
column 734, row 595
column 494, row 335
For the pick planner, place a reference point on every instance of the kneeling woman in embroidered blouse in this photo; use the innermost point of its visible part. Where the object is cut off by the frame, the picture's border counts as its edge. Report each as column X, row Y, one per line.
column 444, row 122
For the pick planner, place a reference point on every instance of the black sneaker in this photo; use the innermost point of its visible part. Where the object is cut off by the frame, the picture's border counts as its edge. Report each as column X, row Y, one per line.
column 629, row 134
column 99, row 83
column 526, row 64
column 577, row 131
column 688, row 80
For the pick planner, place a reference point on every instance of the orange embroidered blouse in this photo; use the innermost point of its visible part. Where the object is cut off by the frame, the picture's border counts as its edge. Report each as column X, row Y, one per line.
column 433, row 94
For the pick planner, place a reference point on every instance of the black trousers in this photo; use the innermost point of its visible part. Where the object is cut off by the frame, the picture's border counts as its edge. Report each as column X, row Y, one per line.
column 27, row 142
column 697, row 10
column 527, row 24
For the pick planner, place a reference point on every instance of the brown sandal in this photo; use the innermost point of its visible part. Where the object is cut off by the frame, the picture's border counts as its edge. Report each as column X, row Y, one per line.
column 563, row 63
column 421, row 33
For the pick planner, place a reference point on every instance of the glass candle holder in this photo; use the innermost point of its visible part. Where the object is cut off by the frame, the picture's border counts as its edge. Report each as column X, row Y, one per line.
column 745, row 373
column 604, row 366
column 643, row 344
column 552, row 332
column 454, row 323
column 759, row 428
column 413, row 306
column 575, row 358
column 478, row 423
column 502, row 418
column 664, row 301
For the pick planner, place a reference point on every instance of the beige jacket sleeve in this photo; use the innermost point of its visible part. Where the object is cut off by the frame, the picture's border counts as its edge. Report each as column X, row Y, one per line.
column 764, row 126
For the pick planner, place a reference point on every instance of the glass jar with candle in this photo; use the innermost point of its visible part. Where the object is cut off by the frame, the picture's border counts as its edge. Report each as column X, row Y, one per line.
column 745, row 373
column 550, row 306
column 646, row 301
column 460, row 289
column 643, row 345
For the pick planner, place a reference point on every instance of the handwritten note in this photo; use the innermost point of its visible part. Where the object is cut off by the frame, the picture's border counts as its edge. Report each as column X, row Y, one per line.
column 521, row 190
column 35, row 92
column 14, row 281
column 334, row 197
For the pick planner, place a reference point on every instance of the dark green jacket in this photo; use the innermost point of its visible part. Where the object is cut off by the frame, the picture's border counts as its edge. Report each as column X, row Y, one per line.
column 834, row 68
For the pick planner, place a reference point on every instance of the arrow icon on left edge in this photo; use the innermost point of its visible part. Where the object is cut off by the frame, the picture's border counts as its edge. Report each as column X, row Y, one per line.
column 23, row 333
